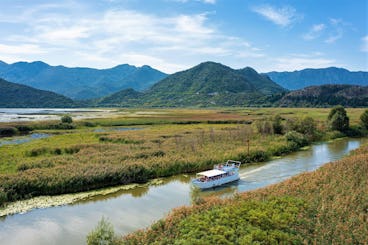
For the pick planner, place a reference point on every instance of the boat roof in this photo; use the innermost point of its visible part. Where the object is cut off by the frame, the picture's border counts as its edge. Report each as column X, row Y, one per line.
column 212, row 173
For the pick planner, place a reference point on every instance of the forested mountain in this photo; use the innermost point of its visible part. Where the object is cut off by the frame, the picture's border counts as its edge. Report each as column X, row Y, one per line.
column 309, row 77
column 209, row 84
column 13, row 95
column 326, row 96
column 80, row 83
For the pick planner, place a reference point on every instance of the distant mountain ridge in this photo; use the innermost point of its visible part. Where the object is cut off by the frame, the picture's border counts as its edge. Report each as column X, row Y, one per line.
column 311, row 77
column 80, row 83
column 204, row 85
column 13, row 95
column 326, row 96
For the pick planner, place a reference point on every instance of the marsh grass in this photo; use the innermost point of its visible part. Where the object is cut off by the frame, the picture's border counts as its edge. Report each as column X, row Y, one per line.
column 172, row 142
column 327, row 206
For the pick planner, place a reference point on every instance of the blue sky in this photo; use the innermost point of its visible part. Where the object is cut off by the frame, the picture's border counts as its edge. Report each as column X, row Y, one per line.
column 173, row 35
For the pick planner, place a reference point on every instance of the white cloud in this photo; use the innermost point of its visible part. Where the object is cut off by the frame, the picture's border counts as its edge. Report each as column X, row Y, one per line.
column 284, row 16
column 314, row 32
column 301, row 61
column 364, row 46
column 336, row 30
column 110, row 37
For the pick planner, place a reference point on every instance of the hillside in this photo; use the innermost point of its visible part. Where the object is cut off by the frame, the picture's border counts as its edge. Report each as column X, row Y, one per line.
column 326, row 96
column 327, row 206
column 80, row 83
column 14, row 95
column 310, row 77
column 210, row 84
column 123, row 98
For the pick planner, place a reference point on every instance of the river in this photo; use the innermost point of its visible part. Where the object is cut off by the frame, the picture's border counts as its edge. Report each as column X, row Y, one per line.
column 134, row 209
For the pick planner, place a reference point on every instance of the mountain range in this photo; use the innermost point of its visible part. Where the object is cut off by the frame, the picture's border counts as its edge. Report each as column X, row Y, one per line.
column 208, row 84
column 312, row 77
column 80, row 83
column 14, row 95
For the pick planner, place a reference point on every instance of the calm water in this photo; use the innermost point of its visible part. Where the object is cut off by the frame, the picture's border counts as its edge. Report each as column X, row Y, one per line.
column 138, row 208
column 22, row 139
column 41, row 114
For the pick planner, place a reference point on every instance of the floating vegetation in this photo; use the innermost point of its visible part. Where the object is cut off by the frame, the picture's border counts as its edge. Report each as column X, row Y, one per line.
column 27, row 205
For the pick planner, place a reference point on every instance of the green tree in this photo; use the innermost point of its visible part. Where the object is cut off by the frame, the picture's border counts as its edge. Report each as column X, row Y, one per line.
column 66, row 119
column 103, row 234
column 338, row 119
column 364, row 119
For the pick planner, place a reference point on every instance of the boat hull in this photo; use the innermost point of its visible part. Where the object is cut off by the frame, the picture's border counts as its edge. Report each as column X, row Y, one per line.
column 216, row 182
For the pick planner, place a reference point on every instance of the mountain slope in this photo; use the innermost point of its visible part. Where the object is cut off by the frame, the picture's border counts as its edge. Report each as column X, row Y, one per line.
column 210, row 84
column 21, row 96
column 261, row 82
column 80, row 83
column 309, row 77
column 326, row 96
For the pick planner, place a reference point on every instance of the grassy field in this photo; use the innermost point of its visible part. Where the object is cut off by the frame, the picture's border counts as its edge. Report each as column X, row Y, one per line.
column 97, row 153
column 327, row 206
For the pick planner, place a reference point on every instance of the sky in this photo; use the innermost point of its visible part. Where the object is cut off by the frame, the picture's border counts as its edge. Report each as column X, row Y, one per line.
column 173, row 35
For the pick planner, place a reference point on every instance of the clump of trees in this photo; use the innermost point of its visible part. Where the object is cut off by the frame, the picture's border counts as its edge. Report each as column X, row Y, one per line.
column 338, row 119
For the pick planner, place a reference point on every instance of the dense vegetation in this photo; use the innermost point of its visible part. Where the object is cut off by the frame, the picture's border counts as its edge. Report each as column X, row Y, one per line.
column 207, row 84
column 176, row 141
column 18, row 96
column 312, row 77
column 80, row 83
column 327, row 206
column 326, row 96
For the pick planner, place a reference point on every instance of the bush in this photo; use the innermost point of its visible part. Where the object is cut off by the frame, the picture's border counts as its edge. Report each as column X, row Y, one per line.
column 338, row 120
column 299, row 139
column 8, row 131
column 66, row 119
column 276, row 124
column 24, row 128
column 103, row 234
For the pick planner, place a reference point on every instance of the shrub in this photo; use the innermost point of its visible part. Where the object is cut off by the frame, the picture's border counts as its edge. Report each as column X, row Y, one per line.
column 337, row 119
column 299, row 139
column 8, row 131
column 276, row 124
column 103, row 234
column 66, row 119
column 24, row 128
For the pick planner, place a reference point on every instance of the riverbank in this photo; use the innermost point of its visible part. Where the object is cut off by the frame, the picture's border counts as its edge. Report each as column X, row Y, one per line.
column 324, row 206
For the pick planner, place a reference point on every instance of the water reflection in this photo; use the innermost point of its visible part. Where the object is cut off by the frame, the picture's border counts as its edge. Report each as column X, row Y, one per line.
column 16, row 140
column 129, row 210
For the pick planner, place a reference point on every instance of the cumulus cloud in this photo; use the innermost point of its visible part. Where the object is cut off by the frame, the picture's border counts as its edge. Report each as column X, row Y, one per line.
column 106, row 38
column 284, row 16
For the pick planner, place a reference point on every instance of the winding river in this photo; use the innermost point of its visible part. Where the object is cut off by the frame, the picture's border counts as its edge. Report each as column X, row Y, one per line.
column 129, row 210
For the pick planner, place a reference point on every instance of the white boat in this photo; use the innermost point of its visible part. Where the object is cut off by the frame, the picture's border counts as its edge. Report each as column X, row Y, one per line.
column 219, row 175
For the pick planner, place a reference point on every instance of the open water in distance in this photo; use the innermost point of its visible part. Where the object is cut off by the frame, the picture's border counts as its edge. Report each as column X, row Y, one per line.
column 140, row 207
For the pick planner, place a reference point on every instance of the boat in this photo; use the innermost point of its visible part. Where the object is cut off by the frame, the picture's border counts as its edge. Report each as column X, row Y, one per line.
column 220, row 174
